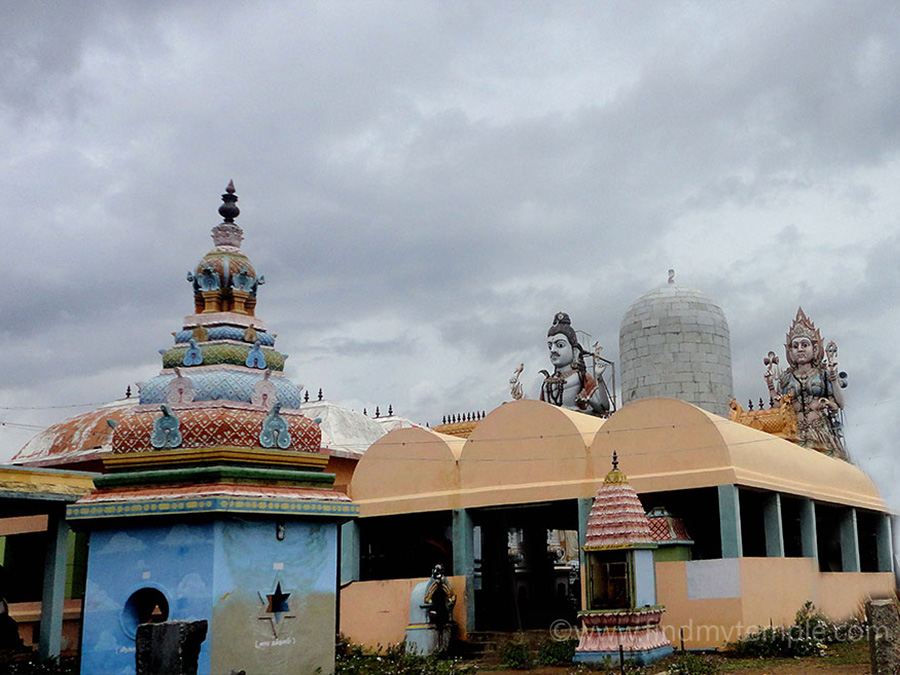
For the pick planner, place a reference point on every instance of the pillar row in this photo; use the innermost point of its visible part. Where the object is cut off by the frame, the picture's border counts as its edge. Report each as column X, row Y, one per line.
column 730, row 521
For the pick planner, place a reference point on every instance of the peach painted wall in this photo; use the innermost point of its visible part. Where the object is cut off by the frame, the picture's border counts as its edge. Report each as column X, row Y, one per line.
column 770, row 589
column 377, row 612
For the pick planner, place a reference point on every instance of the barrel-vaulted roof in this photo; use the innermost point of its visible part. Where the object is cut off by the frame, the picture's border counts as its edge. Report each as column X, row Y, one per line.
column 529, row 451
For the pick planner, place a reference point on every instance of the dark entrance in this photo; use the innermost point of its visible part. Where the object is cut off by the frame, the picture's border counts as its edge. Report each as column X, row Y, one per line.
column 527, row 574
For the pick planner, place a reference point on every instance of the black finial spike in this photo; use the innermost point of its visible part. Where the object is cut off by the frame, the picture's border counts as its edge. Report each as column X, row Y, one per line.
column 390, row 410
column 306, row 396
column 750, row 403
column 482, row 414
column 320, row 393
column 377, row 411
column 761, row 404
column 771, row 402
column 365, row 413
column 128, row 391
column 229, row 209
column 615, row 462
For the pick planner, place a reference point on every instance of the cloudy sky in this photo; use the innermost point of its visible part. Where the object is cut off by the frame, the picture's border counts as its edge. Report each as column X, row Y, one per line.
column 424, row 184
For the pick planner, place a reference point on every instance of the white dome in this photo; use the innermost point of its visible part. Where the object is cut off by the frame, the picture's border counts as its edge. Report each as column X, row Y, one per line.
column 674, row 343
column 345, row 432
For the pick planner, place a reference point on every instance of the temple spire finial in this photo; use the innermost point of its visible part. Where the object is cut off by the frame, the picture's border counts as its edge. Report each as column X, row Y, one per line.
column 229, row 209
column 615, row 461
column 228, row 232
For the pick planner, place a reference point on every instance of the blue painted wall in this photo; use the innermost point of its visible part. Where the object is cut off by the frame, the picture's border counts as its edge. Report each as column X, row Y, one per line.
column 175, row 559
column 222, row 571
column 250, row 563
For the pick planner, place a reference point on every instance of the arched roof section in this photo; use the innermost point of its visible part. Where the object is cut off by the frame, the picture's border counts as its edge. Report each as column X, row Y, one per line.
column 408, row 470
column 77, row 440
column 528, row 451
column 667, row 444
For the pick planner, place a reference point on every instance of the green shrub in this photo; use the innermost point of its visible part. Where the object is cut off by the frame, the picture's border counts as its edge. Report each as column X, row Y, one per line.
column 810, row 635
column 777, row 642
column 694, row 664
column 353, row 659
column 556, row 652
column 516, row 655
column 31, row 664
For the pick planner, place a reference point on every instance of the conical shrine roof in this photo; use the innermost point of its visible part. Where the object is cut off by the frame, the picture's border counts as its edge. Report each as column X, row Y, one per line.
column 617, row 518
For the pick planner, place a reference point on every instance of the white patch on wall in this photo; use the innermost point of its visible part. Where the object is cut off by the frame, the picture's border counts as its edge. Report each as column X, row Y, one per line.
column 711, row 579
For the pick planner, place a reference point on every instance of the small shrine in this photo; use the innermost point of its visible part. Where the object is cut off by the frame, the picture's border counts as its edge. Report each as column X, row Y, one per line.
column 621, row 619
column 214, row 513
column 431, row 602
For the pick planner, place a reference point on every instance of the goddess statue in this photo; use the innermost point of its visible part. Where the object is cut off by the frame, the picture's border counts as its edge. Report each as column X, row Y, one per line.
column 570, row 386
column 814, row 383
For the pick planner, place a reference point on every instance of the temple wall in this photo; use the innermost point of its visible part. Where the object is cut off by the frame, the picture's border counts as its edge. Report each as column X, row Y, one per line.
column 717, row 601
column 225, row 572
column 376, row 613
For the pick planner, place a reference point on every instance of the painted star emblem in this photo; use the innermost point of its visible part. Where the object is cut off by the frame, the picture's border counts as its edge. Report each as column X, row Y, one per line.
column 276, row 608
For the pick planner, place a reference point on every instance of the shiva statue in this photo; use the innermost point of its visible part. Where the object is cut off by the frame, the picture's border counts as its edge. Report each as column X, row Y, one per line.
column 570, row 386
column 814, row 385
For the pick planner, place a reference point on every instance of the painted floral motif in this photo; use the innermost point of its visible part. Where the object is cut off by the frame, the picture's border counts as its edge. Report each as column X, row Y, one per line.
column 228, row 384
column 226, row 352
column 216, row 426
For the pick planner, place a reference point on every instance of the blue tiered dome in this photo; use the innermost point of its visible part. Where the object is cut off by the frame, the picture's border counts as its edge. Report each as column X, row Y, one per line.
column 224, row 352
column 222, row 382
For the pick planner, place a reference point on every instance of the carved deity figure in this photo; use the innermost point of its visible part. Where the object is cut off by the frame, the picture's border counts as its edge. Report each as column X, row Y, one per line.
column 570, row 386
column 814, row 383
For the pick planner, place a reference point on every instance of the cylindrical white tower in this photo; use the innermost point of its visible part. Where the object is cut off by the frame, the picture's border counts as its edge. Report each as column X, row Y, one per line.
column 674, row 343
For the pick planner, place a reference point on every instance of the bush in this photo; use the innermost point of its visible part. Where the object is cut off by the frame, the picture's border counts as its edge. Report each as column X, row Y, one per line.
column 809, row 636
column 353, row 659
column 694, row 664
column 516, row 655
column 556, row 652
column 31, row 664
column 777, row 642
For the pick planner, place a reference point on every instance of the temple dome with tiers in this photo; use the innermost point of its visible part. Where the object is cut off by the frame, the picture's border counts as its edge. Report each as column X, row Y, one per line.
column 674, row 342
column 222, row 382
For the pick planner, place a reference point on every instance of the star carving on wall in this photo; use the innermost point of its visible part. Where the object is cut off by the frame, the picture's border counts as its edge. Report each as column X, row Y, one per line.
column 275, row 608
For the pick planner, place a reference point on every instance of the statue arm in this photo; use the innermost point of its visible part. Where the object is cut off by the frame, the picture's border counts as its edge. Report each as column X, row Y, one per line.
column 594, row 395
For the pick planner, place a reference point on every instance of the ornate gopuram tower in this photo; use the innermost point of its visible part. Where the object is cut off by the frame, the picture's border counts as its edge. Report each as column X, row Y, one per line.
column 214, row 511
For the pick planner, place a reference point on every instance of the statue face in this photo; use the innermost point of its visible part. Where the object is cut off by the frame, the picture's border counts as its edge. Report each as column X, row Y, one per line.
column 802, row 350
column 561, row 352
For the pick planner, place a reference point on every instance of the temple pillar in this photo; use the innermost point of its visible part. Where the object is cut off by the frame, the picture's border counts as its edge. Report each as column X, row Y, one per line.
column 54, row 592
column 212, row 301
column 239, row 301
column 349, row 552
column 809, row 540
column 730, row 521
column 644, row 577
column 849, row 541
column 884, row 545
column 464, row 559
column 773, row 525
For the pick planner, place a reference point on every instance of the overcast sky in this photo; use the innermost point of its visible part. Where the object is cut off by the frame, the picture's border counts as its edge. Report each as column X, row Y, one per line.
column 424, row 184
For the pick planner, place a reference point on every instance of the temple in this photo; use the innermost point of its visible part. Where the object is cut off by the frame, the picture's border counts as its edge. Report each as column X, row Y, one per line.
column 216, row 490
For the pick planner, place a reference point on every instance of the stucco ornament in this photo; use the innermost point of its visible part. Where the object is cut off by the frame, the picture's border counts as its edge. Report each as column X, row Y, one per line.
column 570, row 385
column 255, row 357
column 166, row 430
column 193, row 356
column 814, row 383
column 515, row 386
column 275, row 430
